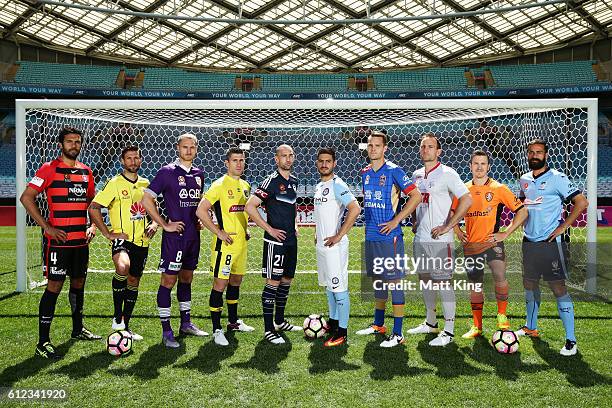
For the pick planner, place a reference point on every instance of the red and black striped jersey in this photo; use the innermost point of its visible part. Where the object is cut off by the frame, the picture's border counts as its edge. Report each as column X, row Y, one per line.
column 69, row 191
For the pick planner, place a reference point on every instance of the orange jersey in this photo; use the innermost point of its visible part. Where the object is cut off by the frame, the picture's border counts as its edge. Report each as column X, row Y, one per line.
column 484, row 215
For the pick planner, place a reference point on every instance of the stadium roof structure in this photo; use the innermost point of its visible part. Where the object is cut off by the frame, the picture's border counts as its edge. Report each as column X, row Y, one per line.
column 294, row 35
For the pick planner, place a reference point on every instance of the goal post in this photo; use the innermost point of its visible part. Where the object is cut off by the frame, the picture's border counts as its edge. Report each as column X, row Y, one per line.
column 501, row 126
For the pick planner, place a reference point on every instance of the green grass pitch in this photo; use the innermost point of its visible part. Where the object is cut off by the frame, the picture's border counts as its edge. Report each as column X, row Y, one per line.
column 300, row 373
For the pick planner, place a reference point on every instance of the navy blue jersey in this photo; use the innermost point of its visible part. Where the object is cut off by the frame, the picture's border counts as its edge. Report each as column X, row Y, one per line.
column 279, row 196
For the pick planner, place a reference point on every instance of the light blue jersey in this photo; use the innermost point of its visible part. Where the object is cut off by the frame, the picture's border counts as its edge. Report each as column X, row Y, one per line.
column 544, row 196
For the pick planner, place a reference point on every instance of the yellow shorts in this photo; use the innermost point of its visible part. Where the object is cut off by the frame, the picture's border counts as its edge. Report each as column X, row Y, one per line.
column 223, row 263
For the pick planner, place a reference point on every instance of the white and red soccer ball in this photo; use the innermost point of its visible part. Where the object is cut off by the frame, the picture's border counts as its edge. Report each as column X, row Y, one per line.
column 119, row 343
column 505, row 341
column 315, row 326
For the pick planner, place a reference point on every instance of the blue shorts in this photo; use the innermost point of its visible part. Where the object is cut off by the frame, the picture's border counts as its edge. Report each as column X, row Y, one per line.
column 375, row 254
column 177, row 254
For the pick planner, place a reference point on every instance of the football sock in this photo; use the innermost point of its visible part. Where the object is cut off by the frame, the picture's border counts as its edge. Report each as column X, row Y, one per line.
column 131, row 294
column 477, row 302
column 183, row 294
column 398, row 299
column 532, row 298
column 331, row 304
column 379, row 312
column 332, row 324
column 231, row 298
column 46, row 310
column 429, row 297
column 343, row 303
column 268, row 298
column 163, row 307
column 281, row 301
column 119, row 283
column 501, row 294
column 215, row 303
column 76, row 298
column 448, row 307
column 341, row 332
column 565, row 306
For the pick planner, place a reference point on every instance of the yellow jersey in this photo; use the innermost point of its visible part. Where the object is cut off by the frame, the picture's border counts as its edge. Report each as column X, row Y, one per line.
column 228, row 197
column 123, row 198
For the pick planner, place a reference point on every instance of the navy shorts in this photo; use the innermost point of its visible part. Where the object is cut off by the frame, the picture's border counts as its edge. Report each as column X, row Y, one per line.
column 546, row 260
column 177, row 254
column 278, row 260
column 376, row 252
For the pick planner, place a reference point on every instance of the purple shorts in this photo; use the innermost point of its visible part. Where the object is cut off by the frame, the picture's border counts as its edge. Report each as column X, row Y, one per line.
column 177, row 254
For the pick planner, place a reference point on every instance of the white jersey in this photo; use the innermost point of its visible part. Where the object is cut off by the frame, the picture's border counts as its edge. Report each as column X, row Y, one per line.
column 330, row 200
column 437, row 187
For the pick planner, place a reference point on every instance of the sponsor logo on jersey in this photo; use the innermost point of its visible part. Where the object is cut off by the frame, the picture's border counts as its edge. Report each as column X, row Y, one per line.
column 236, row 208
column 537, row 201
column 181, row 181
column 175, row 266
column 489, row 196
column 378, row 195
column 477, row 214
column 125, row 194
column 198, row 180
column 368, row 195
column 138, row 212
column 37, row 181
column 230, row 193
column 374, row 204
column 382, row 180
column 246, row 192
column 261, row 193
column 189, row 192
column 542, row 186
column 77, row 190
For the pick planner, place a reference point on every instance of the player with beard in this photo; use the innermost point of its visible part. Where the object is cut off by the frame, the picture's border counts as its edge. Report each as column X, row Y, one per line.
column 278, row 194
column 69, row 188
column 130, row 233
column 544, row 191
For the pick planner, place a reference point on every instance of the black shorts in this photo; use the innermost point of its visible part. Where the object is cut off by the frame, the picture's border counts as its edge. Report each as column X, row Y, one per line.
column 278, row 260
column 475, row 263
column 137, row 254
column 547, row 260
column 59, row 262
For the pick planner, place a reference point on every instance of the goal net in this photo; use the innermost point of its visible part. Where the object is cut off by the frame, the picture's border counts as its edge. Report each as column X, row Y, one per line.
column 501, row 127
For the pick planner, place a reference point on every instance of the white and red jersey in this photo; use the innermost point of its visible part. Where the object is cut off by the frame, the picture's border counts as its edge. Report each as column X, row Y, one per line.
column 437, row 187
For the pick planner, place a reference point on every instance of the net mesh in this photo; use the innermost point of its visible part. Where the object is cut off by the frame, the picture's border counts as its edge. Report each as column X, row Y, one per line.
column 504, row 133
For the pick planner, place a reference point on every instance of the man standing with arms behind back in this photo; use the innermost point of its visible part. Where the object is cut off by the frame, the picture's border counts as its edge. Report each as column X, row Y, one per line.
column 69, row 187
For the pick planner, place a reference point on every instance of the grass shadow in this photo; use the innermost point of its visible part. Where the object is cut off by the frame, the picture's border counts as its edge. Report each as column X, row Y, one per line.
column 388, row 363
column 152, row 361
column 209, row 357
column 448, row 360
column 30, row 366
column 324, row 359
column 506, row 366
column 577, row 371
column 86, row 365
column 267, row 357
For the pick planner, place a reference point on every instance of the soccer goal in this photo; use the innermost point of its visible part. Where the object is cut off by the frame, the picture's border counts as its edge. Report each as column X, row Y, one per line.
column 501, row 127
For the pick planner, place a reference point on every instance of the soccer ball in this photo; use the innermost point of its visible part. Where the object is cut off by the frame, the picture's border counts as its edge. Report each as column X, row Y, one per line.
column 315, row 326
column 119, row 343
column 505, row 341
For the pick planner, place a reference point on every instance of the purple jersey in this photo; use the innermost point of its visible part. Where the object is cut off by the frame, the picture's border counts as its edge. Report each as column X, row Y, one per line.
column 181, row 189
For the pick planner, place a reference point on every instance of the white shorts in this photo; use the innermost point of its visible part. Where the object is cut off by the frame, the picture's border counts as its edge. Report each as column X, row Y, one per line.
column 332, row 265
column 436, row 258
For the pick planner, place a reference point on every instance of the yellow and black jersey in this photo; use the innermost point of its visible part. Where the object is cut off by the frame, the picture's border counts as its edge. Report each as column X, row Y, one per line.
column 228, row 197
column 123, row 198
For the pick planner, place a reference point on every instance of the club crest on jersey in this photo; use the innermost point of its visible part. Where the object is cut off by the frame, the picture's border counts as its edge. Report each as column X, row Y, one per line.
column 138, row 211
column 489, row 196
column 525, row 186
column 367, row 179
column 85, row 178
column 67, row 178
column 282, row 188
column 325, row 191
column 382, row 180
column 181, row 181
column 542, row 186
